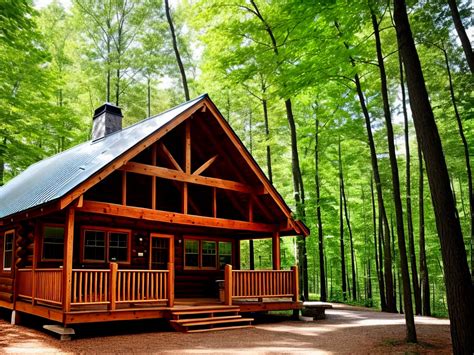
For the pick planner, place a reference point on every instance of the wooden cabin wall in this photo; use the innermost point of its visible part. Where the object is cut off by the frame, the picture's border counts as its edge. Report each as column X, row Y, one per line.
column 6, row 276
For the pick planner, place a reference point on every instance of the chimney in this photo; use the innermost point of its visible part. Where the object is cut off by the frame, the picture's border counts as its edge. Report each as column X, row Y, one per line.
column 107, row 119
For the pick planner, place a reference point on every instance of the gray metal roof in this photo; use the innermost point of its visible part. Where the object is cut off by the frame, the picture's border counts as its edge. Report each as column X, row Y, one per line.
column 53, row 177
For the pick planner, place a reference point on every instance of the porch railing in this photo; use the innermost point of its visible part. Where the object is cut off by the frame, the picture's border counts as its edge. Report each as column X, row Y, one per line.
column 98, row 286
column 245, row 284
column 43, row 285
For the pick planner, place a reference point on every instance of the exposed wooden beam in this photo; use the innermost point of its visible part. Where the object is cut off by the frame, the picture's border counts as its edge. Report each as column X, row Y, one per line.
column 153, row 178
column 184, row 177
column 172, row 217
column 185, row 198
column 124, row 158
column 187, row 148
column 204, row 166
column 124, row 188
column 214, row 202
column 170, row 157
column 250, row 210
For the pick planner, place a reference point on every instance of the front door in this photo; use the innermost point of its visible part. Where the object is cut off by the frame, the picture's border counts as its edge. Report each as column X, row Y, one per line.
column 161, row 251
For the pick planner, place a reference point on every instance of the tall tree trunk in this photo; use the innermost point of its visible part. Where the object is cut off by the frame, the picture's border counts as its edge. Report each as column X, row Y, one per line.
column 3, row 148
column 148, row 96
column 378, row 265
column 466, row 43
column 424, row 276
column 459, row 288
column 322, row 275
column 408, row 306
column 411, row 238
column 466, row 156
column 184, row 81
column 348, row 223
column 267, row 137
column 341, row 229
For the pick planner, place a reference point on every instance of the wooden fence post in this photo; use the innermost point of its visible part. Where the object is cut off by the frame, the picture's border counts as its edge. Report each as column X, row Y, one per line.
column 113, row 285
column 170, row 284
column 228, row 285
column 296, row 290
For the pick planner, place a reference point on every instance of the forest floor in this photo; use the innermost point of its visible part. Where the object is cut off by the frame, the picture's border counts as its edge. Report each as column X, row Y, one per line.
column 347, row 329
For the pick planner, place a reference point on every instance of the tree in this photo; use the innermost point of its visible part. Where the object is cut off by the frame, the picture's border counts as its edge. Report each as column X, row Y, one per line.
column 459, row 288
column 465, row 42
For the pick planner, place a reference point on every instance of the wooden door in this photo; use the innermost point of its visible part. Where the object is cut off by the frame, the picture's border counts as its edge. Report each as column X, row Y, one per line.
column 161, row 251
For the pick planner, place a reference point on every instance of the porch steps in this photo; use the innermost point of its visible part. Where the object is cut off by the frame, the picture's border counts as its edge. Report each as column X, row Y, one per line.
column 208, row 318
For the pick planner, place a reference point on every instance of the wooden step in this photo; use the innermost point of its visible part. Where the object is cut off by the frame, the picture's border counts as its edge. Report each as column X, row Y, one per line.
column 194, row 320
column 216, row 320
column 220, row 328
column 205, row 311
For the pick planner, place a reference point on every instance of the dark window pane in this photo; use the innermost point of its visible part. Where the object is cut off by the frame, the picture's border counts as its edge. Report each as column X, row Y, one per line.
column 209, row 254
column 225, row 254
column 94, row 245
column 159, row 253
column 191, row 248
column 8, row 250
column 53, row 242
column 118, row 247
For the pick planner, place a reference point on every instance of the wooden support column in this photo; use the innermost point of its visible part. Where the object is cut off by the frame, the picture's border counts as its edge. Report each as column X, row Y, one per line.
column 67, row 260
column 250, row 209
column 228, row 285
column 36, row 257
column 237, row 255
column 153, row 181
column 296, row 290
column 187, row 167
column 124, row 188
column 170, row 284
column 214, row 202
column 113, row 286
column 276, row 251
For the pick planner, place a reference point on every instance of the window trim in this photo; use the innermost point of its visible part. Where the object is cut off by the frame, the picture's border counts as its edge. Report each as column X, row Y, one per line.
column 43, row 227
column 200, row 240
column 107, row 232
column 10, row 231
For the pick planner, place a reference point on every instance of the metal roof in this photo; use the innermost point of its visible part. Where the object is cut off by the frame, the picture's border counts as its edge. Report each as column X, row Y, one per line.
column 53, row 177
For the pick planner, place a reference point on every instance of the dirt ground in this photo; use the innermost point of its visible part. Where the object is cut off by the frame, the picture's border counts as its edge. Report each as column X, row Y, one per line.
column 346, row 330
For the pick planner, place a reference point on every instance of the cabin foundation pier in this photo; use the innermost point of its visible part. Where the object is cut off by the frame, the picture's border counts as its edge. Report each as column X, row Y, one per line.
column 63, row 332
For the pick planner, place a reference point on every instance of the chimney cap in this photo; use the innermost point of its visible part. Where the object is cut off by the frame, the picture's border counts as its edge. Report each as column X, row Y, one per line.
column 108, row 108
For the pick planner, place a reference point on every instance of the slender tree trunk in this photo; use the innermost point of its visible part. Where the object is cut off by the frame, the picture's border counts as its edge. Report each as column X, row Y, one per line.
column 348, row 222
column 109, row 73
column 378, row 265
column 466, row 155
column 267, row 136
column 411, row 238
column 465, row 42
column 341, row 229
column 148, row 96
column 424, row 276
column 408, row 306
column 3, row 149
column 322, row 276
column 184, row 81
column 459, row 288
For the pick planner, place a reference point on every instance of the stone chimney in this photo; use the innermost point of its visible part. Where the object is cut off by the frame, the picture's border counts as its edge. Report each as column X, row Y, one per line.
column 107, row 119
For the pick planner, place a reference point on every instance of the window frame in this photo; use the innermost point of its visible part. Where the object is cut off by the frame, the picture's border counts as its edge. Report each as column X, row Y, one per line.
column 10, row 231
column 107, row 232
column 200, row 240
column 43, row 228
column 219, row 253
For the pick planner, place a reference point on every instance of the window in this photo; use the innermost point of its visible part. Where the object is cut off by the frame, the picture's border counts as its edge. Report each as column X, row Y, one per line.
column 118, row 247
column 191, row 255
column 94, row 245
column 106, row 245
column 8, row 250
column 209, row 254
column 225, row 254
column 53, row 242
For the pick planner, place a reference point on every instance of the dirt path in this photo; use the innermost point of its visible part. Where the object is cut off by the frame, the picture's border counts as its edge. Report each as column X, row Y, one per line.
column 346, row 330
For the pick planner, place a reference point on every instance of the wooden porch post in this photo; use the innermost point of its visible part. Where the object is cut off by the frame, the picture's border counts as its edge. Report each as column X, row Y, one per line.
column 276, row 251
column 296, row 291
column 228, row 285
column 67, row 260
column 170, row 284
column 113, row 286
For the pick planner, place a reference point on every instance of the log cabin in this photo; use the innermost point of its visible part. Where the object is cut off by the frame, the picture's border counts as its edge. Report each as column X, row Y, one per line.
column 145, row 222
